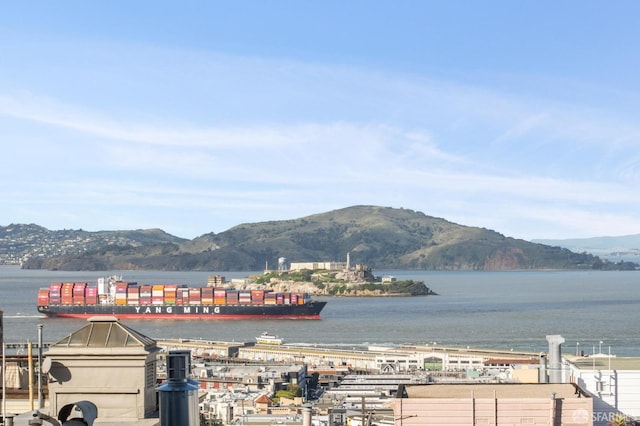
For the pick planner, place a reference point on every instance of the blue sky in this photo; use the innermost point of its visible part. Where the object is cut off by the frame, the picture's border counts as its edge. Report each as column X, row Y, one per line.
column 193, row 117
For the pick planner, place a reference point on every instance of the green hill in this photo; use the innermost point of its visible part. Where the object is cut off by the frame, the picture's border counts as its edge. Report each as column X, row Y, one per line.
column 380, row 237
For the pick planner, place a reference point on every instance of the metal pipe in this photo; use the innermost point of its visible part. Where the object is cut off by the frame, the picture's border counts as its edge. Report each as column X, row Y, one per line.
column 542, row 375
column 4, row 374
column 38, row 417
column 553, row 410
column 40, row 395
column 495, row 407
column 30, row 362
column 473, row 408
column 4, row 385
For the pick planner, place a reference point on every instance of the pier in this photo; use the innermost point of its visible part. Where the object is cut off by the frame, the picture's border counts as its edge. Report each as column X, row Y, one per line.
column 367, row 359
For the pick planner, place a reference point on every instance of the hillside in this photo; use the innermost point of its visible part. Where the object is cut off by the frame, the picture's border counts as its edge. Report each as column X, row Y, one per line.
column 23, row 242
column 626, row 247
column 380, row 237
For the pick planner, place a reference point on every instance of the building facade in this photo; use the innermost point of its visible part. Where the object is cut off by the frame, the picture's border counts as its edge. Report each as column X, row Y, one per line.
column 492, row 404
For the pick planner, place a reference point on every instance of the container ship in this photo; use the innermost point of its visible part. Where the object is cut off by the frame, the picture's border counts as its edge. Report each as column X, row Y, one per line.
column 129, row 300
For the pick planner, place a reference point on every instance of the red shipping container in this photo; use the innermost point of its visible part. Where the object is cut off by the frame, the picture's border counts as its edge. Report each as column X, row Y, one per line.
column 43, row 297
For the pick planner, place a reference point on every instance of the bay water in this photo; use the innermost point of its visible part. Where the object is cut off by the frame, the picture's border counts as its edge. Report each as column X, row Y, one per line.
column 592, row 310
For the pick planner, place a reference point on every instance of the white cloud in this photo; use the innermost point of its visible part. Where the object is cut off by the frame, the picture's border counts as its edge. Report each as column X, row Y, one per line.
column 335, row 136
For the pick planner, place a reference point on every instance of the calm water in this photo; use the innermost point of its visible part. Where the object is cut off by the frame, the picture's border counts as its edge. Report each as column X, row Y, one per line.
column 484, row 309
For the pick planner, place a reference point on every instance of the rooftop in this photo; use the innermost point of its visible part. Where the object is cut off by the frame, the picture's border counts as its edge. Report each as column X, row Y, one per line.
column 604, row 362
column 104, row 332
column 497, row 390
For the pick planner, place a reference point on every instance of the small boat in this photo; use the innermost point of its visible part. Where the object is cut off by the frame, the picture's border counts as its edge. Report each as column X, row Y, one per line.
column 268, row 339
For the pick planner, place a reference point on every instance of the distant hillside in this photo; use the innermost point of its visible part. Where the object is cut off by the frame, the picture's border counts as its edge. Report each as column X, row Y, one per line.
column 380, row 237
column 625, row 247
column 20, row 243
column 597, row 243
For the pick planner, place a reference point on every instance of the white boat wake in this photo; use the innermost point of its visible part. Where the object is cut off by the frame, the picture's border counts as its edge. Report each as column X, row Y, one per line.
column 24, row 316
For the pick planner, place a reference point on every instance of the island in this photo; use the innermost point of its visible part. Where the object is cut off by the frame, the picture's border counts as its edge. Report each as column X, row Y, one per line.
column 334, row 279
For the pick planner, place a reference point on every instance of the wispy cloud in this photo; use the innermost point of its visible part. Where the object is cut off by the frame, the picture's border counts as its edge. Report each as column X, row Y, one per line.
column 336, row 136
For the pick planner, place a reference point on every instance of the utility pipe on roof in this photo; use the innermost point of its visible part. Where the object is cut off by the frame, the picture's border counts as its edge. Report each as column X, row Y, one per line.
column 555, row 358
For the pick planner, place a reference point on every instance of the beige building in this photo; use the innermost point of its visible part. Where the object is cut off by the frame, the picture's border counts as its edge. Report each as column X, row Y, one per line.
column 313, row 266
column 492, row 404
column 110, row 365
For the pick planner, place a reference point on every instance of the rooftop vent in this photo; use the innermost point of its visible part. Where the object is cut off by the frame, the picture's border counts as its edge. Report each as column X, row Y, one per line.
column 179, row 394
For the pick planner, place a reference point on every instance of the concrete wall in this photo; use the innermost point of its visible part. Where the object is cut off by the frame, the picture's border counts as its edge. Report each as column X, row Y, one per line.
column 482, row 411
column 525, row 375
column 619, row 390
column 120, row 386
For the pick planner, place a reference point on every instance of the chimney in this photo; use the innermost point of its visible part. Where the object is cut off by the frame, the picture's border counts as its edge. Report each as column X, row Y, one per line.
column 179, row 394
column 555, row 358
column 542, row 376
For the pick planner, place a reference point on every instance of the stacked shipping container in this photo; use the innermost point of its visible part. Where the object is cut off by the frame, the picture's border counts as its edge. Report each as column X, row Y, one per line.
column 145, row 294
column 183, row 296
column 163, row 294
column 66, row 294
column 78, row 293
column 133, row 295
column 194, row 295
column 121, row 293
column 220, row 296
column 55, row 293
column 206, row 295
column 231, row 297
column 91, row 295
column 157, row 294
column 170, row 294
